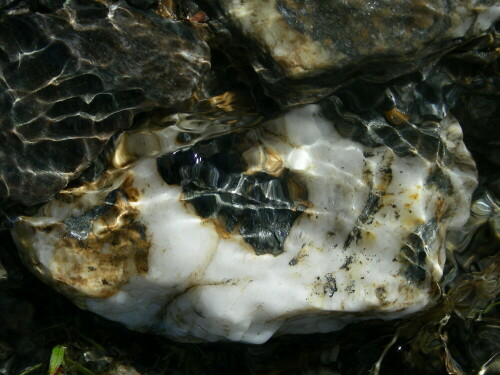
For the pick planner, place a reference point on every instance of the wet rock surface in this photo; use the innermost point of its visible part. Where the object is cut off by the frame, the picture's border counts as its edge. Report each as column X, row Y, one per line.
column 215, row 159
column 215, row 180
column 73, row 78
column 58, row 321
column 5, row 3
column 347, row 224
column 303, row 50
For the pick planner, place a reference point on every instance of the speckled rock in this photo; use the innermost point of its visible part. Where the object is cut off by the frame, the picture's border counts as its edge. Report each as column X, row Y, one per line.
column 305, row 49
column 298, row 226
column 71, row 79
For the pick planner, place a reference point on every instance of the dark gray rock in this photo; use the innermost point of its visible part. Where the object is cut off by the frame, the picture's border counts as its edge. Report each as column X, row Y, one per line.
column 142, row 4
column 475, row 97
column 305, row 49
column 46, row 5
column 5, row 3
column 72, row 79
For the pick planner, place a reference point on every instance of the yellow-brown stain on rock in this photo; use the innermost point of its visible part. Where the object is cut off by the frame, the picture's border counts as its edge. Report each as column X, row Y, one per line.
column 395, row 117
column 368, row 238
column 414, row 196
column 411, row 221
column 381, row 294
column 440, row 208
column 115, row 250
column 166, row 9
column 424, row 16
column 273, row 163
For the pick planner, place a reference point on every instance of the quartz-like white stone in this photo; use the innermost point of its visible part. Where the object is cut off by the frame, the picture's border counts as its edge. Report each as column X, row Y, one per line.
column 367, row 240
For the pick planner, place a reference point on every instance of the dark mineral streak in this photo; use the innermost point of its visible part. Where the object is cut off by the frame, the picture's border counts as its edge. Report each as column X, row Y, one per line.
column 213, row 179
column 71, row 79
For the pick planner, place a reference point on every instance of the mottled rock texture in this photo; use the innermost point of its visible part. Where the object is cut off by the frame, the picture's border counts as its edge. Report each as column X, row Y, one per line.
column 71, row 79
column 305, row 49
column 302, row 225
column 212, row 224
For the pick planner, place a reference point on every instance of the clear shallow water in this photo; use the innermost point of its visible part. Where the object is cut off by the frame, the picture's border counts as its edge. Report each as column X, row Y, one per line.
column 459, row 335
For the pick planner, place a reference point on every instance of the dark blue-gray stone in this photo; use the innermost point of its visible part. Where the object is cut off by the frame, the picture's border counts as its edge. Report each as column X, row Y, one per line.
column 69, row 80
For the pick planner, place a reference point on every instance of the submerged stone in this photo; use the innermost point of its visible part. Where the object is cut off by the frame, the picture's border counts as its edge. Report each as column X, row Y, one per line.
column 297, row 226
column 305, row 49
column 71, row 79
column 143, row 4
column 46, row 5
column 5, row 3
column 214, row 180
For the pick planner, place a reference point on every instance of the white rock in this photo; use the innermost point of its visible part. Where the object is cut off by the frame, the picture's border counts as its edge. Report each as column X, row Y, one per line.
column 364, row 239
